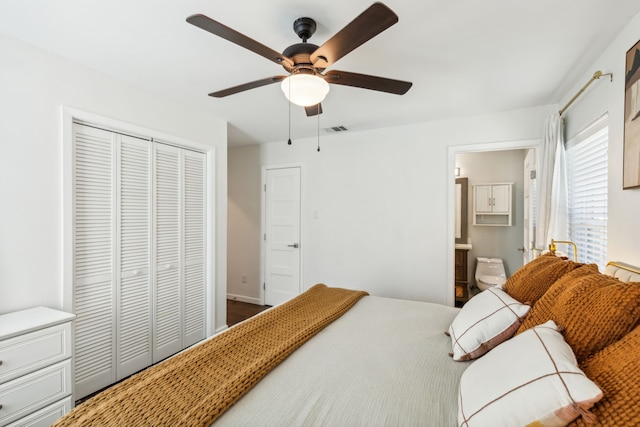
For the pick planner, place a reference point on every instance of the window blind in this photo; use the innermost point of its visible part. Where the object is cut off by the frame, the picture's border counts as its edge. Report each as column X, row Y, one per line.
column 587, row 181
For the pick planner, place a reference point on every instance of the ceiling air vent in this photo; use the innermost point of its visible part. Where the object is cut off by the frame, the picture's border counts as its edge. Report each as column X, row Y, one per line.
column 334, row 129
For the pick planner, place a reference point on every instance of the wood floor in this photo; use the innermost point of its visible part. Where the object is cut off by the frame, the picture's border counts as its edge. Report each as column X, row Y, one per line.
column 237, row 311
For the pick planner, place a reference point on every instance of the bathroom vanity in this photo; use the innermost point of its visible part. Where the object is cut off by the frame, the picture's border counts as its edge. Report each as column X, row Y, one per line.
column 461, row 274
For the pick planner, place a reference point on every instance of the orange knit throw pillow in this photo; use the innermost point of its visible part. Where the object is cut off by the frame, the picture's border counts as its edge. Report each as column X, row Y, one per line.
column 533, row 279
column 594, row 309
column 615, row 370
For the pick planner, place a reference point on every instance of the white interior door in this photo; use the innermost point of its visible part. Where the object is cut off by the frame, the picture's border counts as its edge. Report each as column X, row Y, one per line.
column 195, row 226
column 529, row 205
column 282, row 235
column 139, row 223
column 167, row 334
column 93, row 264
column 134, row 324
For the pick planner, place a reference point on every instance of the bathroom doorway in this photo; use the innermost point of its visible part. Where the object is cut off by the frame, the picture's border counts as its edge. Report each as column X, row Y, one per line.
column 487, row 164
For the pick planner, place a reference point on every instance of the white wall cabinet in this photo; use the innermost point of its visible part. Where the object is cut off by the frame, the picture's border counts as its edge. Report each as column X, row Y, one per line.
column 35, row 366
column 492, row 204
column 139, row 254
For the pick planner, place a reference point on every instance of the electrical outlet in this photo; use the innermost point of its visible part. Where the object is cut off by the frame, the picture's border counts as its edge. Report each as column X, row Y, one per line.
column 244, row 277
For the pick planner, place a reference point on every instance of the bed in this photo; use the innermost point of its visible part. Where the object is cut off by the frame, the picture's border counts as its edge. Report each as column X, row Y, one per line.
column 373, row 361
column 357, row 367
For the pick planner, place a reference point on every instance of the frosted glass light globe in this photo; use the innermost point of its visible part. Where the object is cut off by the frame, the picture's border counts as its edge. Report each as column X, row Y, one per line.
column 305, row 89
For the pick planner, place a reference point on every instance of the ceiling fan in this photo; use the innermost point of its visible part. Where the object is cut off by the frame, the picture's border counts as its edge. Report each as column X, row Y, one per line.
column 307, row 83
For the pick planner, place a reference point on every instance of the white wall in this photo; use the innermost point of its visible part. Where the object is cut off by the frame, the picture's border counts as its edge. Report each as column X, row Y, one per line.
column 244, row 219
column 500, row 242
column 382, row 202
column 603, row 97
column 34, row 85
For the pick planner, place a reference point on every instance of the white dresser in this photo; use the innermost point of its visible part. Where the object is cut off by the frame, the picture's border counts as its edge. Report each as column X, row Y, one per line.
column 35, row 366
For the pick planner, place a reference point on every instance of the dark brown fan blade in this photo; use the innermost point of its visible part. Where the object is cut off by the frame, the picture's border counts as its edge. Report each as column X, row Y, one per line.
column 220, row 30
column 247, row 86
column 313, row 110
column 364, row 81
column 367, row 25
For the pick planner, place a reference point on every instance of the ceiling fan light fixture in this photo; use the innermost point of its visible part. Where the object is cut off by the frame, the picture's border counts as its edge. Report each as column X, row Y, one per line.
column 305, row 89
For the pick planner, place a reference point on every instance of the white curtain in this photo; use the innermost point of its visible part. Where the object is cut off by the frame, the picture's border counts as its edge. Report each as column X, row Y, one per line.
column 552, row 185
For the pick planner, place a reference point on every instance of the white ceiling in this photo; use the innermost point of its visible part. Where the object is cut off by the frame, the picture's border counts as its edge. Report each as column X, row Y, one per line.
column 464, row 57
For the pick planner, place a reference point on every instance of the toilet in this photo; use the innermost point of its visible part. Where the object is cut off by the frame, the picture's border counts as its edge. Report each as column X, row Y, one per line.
column 490, row 273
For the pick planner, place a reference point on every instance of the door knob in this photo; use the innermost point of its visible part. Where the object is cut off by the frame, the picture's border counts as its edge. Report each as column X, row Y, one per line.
column 295, row 245
column 522, row 249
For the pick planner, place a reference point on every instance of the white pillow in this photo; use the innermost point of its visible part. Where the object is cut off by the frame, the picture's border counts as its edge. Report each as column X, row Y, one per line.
column 485, row 321
column 531, row 379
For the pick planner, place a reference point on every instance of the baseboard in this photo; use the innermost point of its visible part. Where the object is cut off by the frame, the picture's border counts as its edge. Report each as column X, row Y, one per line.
column 243, row 298
column 221, row 328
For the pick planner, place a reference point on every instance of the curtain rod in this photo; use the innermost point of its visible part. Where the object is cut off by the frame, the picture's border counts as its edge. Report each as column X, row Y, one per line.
column 596, row 76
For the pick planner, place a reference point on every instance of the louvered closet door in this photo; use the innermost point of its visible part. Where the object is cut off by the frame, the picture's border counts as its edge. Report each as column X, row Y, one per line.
column 139, row 254
column 194, row 246
column 134, row 350
column 94, row 265
column 167, row 337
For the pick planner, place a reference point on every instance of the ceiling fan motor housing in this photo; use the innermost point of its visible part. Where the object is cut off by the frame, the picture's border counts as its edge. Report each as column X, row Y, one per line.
column 304, row 28
column 300, row 53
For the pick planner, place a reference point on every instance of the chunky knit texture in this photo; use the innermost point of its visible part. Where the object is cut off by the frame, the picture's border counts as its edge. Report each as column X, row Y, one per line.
column 595, row 310
column 195, row 387
column 533, row 279
column 615, row 370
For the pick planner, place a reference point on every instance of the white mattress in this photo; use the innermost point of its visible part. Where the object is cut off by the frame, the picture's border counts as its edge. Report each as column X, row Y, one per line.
column 383, row 363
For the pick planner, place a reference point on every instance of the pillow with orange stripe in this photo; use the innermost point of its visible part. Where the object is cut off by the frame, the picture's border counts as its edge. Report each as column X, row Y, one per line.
column 485, row 321
column 532, row 379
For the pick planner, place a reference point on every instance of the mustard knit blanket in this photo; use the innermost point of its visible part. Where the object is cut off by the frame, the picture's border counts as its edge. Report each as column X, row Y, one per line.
column 195, row 387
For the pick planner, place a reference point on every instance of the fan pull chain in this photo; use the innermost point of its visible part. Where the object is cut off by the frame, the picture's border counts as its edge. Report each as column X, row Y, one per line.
column 289, row 141
column 318, row 126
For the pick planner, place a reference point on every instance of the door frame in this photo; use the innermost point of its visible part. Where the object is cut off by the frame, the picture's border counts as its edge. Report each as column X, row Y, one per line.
column 263, row 224
column 451, row 193
column 529, row 231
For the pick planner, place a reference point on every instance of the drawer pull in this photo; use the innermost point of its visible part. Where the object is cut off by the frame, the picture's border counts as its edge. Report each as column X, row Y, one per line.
column 0, row 362
column 0, row 406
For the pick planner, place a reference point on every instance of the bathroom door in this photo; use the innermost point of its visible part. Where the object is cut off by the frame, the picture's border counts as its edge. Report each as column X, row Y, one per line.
column 528, row 247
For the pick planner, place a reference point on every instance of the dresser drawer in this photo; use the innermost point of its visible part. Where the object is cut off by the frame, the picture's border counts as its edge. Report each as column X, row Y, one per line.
column 29, row 393
column 29, row 352
column 45, row 416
